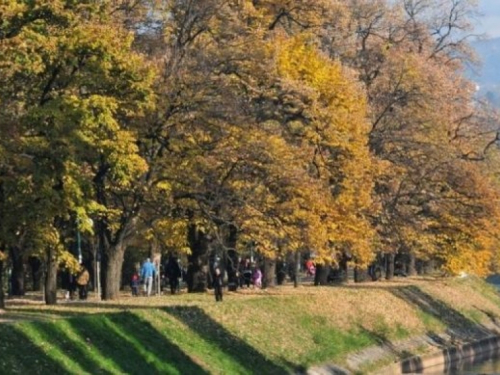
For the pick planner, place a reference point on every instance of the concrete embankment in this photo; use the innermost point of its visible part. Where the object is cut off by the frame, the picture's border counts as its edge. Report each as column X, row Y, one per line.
column 448, row 359
column 443, row 361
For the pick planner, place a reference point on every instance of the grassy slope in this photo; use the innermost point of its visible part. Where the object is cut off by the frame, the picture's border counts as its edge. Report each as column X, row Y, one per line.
column 250, row 332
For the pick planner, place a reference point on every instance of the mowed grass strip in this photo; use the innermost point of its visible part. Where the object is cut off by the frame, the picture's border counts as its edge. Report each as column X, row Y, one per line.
column 267, row 332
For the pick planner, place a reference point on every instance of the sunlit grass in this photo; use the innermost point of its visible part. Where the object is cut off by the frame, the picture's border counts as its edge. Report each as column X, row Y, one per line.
column 254, row 331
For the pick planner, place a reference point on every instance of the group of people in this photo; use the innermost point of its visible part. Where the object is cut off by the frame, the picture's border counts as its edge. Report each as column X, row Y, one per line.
column 148, row 271
column 249, row 273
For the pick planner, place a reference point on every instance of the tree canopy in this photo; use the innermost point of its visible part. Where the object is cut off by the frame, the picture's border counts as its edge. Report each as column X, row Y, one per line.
column 346, row 129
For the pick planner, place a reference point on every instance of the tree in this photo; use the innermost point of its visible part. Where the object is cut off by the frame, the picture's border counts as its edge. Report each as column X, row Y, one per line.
column 2, row 293
column 72, row 87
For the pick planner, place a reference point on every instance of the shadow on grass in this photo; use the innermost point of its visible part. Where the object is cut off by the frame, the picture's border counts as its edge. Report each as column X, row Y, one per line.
column 211, row 331
column 72, row 349
column 135, row 346
column 71, row 309
column 459, row 328
column 19, row 355
column 383, row 341
column 494, row 318
column 119, row 343
column 458, row 325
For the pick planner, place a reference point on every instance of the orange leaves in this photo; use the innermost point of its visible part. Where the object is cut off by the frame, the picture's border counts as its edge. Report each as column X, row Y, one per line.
column 337, row 134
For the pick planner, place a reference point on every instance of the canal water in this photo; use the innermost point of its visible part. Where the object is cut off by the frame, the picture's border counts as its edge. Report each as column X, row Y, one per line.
column 481, row 366
column 489, row 363
column 484, row 365
column 489, row 367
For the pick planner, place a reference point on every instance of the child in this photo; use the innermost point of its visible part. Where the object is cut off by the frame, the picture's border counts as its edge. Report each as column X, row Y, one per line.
column 257, row 277
column 134, row 284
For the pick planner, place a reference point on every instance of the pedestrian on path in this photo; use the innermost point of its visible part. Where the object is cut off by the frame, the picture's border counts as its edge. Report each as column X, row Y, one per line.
column 217, row 284
column 148, row 271
column 82, row 281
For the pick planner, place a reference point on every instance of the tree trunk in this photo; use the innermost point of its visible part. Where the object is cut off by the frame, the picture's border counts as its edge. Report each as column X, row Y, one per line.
column 2, row 295
column 389, row 266
column 321, row 275
column 197, row 270
column 51, row 278
column 230, row 259
column 36, row 273
column 344, row 269
column 269, row 273
column 111, row 275
column 296, row 270
column 360, row 274
column 412, row 269
column 17, row 276
column 429, row 266
column 111, row 243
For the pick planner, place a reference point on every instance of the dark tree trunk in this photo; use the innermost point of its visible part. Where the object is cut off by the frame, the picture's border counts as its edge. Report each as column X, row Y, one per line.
column 231, row 237
column 36, row 273
column 269, row 273
column 429, row 266
column 112, row 244
column 2, row 295
column 197, row 270
column 321, row 275
column 344, row 269
column 111, row 275
column 419, row 265
column 360, row 274
column 230, row 257
column 296, row 270
column 51, row 278
column 17, row 276
column 389, row 266
column 412, row 269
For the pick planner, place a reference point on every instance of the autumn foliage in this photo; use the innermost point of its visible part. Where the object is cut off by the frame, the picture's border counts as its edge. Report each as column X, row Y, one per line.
column 343, row 129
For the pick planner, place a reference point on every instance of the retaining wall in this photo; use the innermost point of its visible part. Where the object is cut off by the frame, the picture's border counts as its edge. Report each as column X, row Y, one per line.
column 448, row 360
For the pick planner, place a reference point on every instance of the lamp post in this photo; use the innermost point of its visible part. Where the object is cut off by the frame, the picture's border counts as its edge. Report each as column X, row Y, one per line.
column 78, row 241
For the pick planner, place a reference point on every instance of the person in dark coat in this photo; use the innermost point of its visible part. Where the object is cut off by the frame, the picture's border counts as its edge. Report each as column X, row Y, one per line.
column 217, row 284
column 245, row 272
column 174, row 272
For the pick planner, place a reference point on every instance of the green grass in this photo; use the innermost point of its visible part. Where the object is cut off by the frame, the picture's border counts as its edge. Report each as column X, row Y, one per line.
column 431, row 323
column 274, row 332
column 330, row 343
column 178, row 339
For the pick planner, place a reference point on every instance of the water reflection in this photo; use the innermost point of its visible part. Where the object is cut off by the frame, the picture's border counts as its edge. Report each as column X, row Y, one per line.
column 488, row 363
column 490, row 367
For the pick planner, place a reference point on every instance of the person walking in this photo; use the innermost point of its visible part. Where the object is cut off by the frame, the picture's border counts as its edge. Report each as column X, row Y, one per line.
column 217, row 284
column 174, row 272
column 148, row 271
column 82, row 281
column 245, row 273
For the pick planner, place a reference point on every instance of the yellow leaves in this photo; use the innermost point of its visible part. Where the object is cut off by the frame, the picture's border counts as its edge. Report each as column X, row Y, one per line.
column 467, row 259
column 171, row 233
column 298, row 59
column 67, row 260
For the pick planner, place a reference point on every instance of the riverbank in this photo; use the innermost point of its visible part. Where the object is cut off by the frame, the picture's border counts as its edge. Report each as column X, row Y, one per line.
column 361, row 328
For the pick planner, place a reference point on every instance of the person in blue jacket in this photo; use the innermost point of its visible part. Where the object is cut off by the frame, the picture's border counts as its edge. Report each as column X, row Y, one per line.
column 148, row 271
